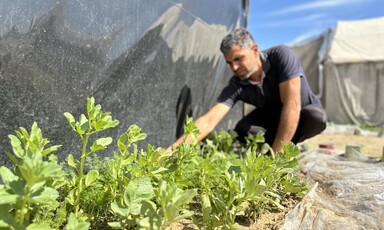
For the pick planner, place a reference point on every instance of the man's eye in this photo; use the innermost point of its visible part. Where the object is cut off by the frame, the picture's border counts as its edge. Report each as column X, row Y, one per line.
column 238, row 59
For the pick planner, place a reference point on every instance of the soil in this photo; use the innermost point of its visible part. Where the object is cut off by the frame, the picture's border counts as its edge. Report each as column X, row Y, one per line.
column 373, row 147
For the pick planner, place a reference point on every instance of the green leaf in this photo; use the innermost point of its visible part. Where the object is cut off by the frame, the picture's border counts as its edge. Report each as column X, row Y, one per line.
column 183, row 215
column 83, row 121
column 91, row 177
column 119, row 210
column 18, row 187
column 105, row 122
column 218, row 200
column 71, row 197
column 183, row 197
column 273, row 194
column 82, row 125
column 253, row 188
column 45, row 196
column 7, row 220
column 35, row 226
column 23, row 135
column 153, row 222
column 160, row 170
column 148, row 207
column 50, row 149
column 71, row 161
column 7, row 175
column 206, row 208
column 191, row 129
column 265, row 148
column 138, row 190
column 35, row 132
column 134, row 134
column 127, row 161
column 71, row 120
column 293, row 186
column 16, row 146
column 101, row 144
column 121, row 142
column 234, row 169
column 115, row 225
column 172, row 199
column 74, row 224
column 90, row 104
column 53, row 158
column 6, row 197
column 34, row 170
column 14, row 160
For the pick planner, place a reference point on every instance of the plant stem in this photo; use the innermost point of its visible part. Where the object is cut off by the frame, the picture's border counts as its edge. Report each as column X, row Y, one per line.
column 22, row 211
column 118, row 177
column 81, row 171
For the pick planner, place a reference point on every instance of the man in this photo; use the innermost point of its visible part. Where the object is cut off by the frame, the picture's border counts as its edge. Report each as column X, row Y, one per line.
column 274, row 82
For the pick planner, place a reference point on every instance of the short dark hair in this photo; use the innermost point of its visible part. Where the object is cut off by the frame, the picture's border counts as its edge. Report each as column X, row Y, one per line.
column 240, row 37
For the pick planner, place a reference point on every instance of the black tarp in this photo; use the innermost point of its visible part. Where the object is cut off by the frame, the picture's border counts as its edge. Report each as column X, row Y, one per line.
column 133, row 56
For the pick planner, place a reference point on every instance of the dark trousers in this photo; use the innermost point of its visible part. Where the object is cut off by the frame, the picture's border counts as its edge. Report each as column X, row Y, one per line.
column 312, row 122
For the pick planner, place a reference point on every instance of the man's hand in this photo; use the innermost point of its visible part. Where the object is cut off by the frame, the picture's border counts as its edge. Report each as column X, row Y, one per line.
column 167, row 152
column 205, row 124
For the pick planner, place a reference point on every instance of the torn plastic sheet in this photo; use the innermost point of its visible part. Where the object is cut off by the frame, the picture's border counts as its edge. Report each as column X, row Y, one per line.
column 345, row 194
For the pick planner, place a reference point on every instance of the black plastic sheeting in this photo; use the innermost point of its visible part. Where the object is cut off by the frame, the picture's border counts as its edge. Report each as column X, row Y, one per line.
column 147, row 62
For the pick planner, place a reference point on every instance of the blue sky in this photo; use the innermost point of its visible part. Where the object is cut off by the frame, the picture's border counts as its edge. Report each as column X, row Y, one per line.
column 274, row 22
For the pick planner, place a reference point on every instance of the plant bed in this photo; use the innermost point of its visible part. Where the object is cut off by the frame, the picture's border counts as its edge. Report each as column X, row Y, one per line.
column 216, row 183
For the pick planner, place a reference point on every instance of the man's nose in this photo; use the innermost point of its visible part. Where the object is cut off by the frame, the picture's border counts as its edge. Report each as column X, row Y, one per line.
column 234, row 67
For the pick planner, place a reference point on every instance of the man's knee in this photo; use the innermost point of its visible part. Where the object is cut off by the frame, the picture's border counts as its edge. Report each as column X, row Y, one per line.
column 315, row 116
column 314, row 120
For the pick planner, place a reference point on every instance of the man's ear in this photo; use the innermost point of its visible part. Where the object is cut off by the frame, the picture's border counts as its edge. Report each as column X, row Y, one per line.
column 255, row 48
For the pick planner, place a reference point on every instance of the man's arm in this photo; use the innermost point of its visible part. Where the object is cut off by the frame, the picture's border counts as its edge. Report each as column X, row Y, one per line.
column 290, row 114
column 205, row 124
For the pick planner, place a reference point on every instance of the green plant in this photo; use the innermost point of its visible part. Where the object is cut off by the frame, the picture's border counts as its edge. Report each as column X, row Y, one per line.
column 85, row 127
column 137, row 207
column 172, row 199
column 74, row 224
column 214, row 182
column 234, row 183
column 32, row 184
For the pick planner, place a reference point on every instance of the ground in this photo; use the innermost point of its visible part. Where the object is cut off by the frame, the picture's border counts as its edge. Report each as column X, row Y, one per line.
column 373, row 147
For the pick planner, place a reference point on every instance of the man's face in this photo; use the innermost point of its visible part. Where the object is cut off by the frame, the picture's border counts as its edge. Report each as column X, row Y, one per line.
column 243, row 61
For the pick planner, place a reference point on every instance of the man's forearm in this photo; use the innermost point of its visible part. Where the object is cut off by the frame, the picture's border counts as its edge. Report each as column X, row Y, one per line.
column 202, row 125
column 205, row 124
column 289, row 120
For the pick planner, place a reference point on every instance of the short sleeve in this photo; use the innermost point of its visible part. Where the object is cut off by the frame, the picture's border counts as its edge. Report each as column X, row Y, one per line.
column 287, row 63
column 231, row 93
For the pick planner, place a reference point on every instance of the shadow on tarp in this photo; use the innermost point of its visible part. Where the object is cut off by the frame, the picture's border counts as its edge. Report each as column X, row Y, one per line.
column 134, row 57
column 344, row 194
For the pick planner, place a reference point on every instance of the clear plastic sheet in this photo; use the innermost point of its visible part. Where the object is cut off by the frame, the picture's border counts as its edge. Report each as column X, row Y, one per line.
column 345, row 193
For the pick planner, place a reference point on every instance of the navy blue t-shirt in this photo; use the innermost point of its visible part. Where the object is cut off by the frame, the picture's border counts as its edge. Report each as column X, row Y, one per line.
column 279, row 64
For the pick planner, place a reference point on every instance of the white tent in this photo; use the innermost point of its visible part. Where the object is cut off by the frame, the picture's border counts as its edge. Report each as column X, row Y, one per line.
column 351, row 80
column 358, row 41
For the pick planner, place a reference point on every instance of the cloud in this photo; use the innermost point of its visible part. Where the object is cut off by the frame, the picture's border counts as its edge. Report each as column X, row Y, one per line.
column 305, row 36
column 301, row 21
column 314, row 5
